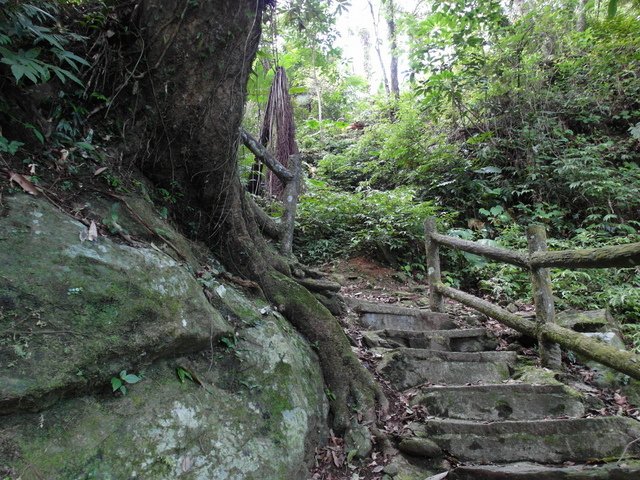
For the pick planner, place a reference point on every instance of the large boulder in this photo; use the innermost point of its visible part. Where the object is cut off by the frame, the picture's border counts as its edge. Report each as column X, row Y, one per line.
column 229, row 390
column 74, row 312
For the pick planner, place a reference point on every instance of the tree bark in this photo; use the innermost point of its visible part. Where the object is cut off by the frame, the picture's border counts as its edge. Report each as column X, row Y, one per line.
column 390, row 14
column 199, row 56
column 377, row 44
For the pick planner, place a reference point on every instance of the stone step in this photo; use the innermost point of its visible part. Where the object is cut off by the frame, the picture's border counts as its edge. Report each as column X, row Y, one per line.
column 457, row 340
column 510, row 401
column 626, row 470
column 408, row 367
column 540, row 441
column 379, row 316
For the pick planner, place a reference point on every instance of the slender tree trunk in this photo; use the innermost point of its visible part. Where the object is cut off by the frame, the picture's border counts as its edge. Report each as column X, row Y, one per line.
column 318, row 89
column 366, row 46
column 581, row 22
column 377, row 45
column 199, row 56
column 390, row 14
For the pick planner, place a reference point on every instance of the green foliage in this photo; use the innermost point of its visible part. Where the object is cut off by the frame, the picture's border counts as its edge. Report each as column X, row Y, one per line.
column 35, row 48
column 330, row 395
column 24, row 26
column 507, row 124
column 615, row 288
column 230, row 341
column 184, row 374
column 119, row 383
column 448, row 49
column 10, row 147
column 387, row 224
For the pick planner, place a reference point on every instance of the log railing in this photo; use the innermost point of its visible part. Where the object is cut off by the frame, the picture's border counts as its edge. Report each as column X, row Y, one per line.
column 291, row 180
column 537, row 261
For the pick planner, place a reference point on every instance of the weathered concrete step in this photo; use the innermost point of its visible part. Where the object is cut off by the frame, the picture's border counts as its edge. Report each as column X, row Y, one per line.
column 456, row 340
column 378, row 316
column 408, row 367
column 541, row 441
column 511, row 401
column 626, row 470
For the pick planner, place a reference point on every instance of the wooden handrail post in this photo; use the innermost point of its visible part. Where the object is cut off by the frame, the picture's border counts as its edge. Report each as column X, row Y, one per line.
column 543, row 297
column 436, row 301
column 290, row 200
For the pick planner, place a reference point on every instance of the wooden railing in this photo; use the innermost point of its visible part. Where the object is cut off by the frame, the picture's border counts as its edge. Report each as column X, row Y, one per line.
column 537, row 260
column 291, row 180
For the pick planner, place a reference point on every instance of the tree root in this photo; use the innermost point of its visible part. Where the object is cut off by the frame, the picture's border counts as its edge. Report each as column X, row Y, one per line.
column 350, row 387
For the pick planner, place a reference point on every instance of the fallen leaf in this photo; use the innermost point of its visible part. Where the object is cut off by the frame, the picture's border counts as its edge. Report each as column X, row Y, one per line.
column 93, row 232
column 336, row 462
column 186, row 464
column 378, row 469
column 99, row 171
column 32, row 168
column 64, row 154
column 21, row 180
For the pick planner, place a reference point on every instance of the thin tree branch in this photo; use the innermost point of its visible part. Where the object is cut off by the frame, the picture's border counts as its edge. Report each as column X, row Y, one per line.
column 259, row 151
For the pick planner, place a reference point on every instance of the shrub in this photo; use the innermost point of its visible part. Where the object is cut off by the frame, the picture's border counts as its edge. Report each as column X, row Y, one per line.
column 388, row 225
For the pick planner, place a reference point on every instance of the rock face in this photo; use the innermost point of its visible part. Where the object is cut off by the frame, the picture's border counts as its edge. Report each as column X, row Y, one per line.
column 74, row 314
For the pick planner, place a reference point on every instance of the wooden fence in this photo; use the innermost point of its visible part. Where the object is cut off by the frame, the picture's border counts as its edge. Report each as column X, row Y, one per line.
column 537, row 260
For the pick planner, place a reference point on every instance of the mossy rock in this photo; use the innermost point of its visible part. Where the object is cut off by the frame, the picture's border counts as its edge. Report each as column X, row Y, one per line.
column 259, row 410
column 74, row 313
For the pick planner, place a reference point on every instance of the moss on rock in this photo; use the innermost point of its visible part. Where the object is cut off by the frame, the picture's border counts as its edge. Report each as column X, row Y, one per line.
column 74, row 313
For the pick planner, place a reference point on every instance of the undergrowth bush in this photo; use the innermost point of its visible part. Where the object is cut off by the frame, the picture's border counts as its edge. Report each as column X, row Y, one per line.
column 386, row 225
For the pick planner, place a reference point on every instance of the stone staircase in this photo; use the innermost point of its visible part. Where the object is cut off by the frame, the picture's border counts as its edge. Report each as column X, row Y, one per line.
column 491, row 426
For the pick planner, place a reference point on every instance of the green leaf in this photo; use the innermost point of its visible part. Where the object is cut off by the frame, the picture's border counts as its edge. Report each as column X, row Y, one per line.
column 497, row 210
column 61, row 73
column 10, row 147
column 85, row 146
column 70, row 58
column 131, row 378
column 32, row 53
column 488, row 170
column 183, row 374
column 116, row 383
column 36, row 132
column 18, row 71
column 612, row 8
column 350, row 456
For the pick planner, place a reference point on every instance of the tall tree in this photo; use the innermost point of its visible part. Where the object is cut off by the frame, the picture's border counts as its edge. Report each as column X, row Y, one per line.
column 278, row 128
column 365, row 42
column 390, row 15
column 199, row 56
column 378, row 45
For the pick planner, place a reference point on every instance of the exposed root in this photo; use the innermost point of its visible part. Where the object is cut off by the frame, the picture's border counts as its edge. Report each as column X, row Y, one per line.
column 350, row 387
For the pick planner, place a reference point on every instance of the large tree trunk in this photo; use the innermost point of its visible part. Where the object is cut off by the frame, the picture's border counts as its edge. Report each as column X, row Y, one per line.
column 199, row 56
